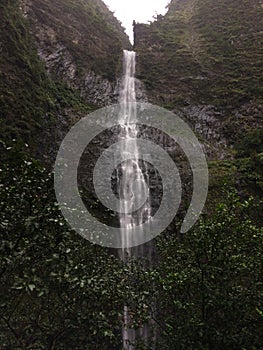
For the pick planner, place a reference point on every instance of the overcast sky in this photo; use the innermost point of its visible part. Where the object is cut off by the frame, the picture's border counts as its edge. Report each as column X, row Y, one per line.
column 139, row 10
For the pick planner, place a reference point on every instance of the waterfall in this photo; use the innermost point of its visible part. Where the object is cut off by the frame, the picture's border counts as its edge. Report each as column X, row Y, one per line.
column 132, row 182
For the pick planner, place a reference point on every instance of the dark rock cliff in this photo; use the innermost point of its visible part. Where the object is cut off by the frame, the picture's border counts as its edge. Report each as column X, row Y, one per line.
column 81, row 44
column 58, row 61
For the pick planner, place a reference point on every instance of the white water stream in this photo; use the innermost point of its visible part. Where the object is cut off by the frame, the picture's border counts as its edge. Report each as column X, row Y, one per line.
column 132, row 183
column 133, row 187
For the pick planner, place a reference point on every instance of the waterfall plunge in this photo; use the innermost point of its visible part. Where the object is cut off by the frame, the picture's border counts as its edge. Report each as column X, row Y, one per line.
column 132, row 183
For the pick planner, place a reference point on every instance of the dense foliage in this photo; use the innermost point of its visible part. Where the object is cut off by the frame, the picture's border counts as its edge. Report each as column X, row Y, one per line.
column 212, row 283
column 251, row 143
column 59, row 291
column 52, row 295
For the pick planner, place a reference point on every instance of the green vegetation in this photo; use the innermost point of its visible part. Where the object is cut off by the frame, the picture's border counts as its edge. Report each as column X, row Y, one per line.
column 244, row 174
column 29, row 100
column 211, row 283
column 59, row 291
column 24, row 87
column 89, row 31
column 250, row 143
column 203, row 51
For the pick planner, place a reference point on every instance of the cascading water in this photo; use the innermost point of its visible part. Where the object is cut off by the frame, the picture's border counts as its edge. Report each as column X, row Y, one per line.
column 133, row 187
column 132, row 181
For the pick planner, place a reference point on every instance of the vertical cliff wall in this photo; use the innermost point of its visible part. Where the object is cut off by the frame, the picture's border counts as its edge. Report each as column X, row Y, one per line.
column 81, row 43
column 204, row 60
column 58, row 60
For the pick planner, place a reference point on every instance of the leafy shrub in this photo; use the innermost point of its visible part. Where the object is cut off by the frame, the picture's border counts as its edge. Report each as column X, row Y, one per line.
column 210, row 283
column 250, row 143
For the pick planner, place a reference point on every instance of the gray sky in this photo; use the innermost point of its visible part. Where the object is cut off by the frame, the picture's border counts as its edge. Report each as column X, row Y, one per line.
column 139, row 10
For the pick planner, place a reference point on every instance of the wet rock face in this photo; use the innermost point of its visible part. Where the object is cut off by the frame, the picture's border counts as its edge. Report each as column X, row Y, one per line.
column 208, row 124
column 205, row 121
column 57, row 58
column 60, row 63
column 99, row 91
column 141, row 94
